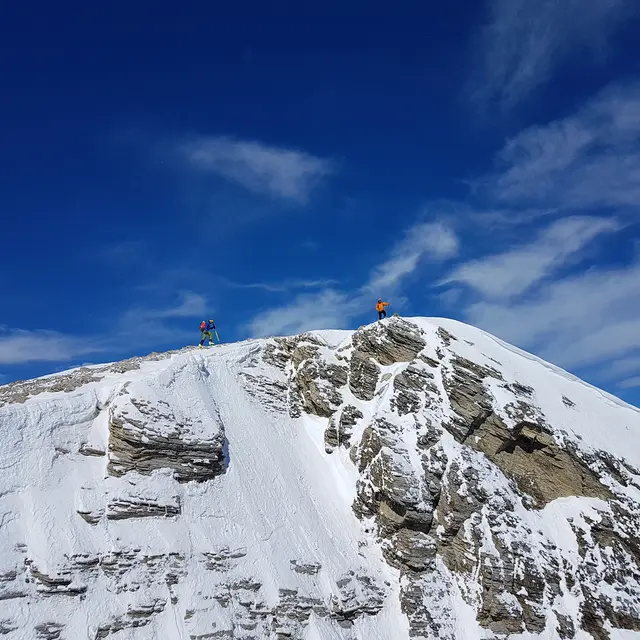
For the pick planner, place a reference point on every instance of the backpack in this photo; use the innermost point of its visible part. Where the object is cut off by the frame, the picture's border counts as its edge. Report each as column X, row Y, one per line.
column 203, row 325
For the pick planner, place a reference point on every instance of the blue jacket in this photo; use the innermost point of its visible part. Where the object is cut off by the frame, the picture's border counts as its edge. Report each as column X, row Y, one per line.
column 210, row 325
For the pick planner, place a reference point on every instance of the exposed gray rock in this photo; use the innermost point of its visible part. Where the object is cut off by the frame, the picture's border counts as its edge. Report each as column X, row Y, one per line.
column 413, row 549
column 363, row 376
column 520, row 389
column 92, row 517
column 276, row 355
column 456, row 506
column 61, row 584
column 10, row 587
column 223, row 559
column 314, row 384
column 339, row 431
column 469, row 399
column 134, row 507
column 144, row 437
column 22, row 390
column 408, row 386
column 319, row 384
column 369, row 447
column 415, row 378
column 389, row 488
column 272, row 394
column 532, row 457
column 88, row 450
column 395, row 341
column 7, row 626
column 406, row 402
column 307, row 568
column 446, row 337
column 565, row 628
column 49, row 630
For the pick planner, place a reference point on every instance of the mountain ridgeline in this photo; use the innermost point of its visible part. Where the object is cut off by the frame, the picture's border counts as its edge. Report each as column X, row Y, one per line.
column 417, row 478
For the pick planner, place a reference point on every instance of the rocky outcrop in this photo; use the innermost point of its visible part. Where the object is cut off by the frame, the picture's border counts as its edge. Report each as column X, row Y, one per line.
column 394, row 341
column 409, row 384
column 21, row 390
column 146, row 435
column 464, row 486
column 470, row 401
column 389, row 488
column 527, row 452
column 135, row 618
column 533, row 458
column 123, row 508
column 363, row 376
column 318, row 384
column 56, row 584
column 339, row 431
column 49, row 631
column 381, row 344
column 314, row 383
column 413, row 549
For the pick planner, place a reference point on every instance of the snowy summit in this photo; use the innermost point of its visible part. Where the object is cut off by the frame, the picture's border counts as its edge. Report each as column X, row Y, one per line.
column 417, row 478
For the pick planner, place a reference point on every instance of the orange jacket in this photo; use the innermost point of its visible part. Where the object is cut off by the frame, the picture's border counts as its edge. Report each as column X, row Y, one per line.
column 381, row 305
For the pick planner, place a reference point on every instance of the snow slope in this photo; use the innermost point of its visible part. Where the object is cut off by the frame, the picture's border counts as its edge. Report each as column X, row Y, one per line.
column 104, row 534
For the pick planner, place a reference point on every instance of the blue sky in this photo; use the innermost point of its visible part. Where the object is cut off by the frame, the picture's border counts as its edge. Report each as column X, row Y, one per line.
column 279, row 168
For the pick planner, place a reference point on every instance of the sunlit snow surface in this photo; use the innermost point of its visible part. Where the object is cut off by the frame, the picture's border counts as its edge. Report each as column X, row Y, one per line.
column 281, row 502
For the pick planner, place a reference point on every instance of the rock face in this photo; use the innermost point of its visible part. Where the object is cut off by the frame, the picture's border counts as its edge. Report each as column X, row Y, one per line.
column 413, row 479
column 146, row 433
column 432, row 503
column 395, row 341
column 532, row 457
column 340, row 429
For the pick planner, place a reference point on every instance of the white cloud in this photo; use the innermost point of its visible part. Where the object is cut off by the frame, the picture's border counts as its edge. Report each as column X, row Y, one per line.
column 525, row 41
column 324, row 310
column 431, row 240
column 589, row 159
column 190, row 305
column 590, row 318
column 625, row 366
column 332, row 309
column 630, row 383
column 513, row 272
column 19, row 346
column 275, row 171
column 186, row 305
column 289, row 284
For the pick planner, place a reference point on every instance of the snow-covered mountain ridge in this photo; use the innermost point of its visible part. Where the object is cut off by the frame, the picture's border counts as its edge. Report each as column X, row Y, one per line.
column 417, row 478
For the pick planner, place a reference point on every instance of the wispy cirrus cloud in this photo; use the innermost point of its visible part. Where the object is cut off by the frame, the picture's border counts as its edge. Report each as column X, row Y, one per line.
column 581, row 320
column 328, row 309
column 525, row 42
column 283, row 286
column 137, row 327
column 586, row 160
column 513, row 272
column 630, row 383
column 572, row 185
column 23, row 346
column 331, row 308
column 427, row 240
column 188, row 305
column 288, row 174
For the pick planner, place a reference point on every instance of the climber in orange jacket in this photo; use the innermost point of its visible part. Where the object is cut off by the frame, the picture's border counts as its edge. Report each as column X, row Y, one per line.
column 380, row 308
